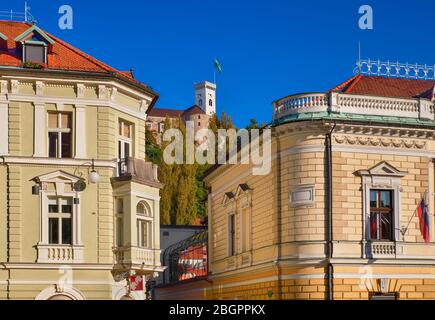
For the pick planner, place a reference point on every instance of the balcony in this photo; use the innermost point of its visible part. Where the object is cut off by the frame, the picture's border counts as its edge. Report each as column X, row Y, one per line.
column 135, row 256
column 137, row 170
column 59, row 254
column 419, row 109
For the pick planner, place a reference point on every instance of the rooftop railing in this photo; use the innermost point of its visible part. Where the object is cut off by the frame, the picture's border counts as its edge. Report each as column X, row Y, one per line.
column 417, row 108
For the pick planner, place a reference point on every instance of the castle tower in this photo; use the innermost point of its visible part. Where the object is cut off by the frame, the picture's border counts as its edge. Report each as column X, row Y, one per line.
column 205, row 97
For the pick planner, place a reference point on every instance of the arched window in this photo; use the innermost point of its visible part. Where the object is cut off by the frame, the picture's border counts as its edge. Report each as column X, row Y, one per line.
column 200, row 102
column 144, row 225
column 210, row 103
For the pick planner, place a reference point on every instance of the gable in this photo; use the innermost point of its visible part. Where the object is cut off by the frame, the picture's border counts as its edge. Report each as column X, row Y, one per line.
column 382, row 169
column 58, row 176
column 34, row 34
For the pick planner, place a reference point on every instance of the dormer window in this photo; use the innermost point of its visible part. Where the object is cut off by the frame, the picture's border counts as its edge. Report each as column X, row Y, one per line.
column 35, row 45
column 34, row 52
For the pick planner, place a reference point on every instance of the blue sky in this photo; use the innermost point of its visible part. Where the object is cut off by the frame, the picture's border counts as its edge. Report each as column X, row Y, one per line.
column 267, row 49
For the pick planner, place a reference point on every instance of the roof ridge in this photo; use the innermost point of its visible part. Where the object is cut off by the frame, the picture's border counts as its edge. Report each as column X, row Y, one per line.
column 345, row 83
column 354, row 82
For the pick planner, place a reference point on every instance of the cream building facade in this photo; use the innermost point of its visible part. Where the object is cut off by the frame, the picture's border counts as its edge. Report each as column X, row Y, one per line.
column 336, row 217
column 79, row 205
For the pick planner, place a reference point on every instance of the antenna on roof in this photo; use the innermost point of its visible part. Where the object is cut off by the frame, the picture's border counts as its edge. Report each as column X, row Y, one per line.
column 357, row 70
column 25, row 16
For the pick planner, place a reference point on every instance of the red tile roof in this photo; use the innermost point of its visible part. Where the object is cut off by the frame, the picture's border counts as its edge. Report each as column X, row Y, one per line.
column 163, row 113
column 174, row 113
column 62, row 56
column 386, row 87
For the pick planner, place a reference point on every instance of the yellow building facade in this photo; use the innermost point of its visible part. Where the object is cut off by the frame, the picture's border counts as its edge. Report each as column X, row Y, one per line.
column 337, row 216
column 79, row 205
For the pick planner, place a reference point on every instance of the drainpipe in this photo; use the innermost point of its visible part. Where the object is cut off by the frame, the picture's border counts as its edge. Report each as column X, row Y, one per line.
column 278, row 204
column 329, row 233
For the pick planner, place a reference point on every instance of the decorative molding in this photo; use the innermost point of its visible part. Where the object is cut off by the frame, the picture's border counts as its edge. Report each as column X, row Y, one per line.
column 4, row 87
column 302, row 195
column 144, row 105
column 88, row 84
column 39, row 88
column 380, row 142
column 80, row 90
column 102, row 92
column 73, row 101
column 15, row 86
column 113, row 94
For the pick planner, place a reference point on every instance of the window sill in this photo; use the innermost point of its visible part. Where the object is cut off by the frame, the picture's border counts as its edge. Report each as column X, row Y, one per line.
column 51, row 253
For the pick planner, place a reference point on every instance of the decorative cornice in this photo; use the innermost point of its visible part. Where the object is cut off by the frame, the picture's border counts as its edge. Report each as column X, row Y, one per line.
column 380, row 142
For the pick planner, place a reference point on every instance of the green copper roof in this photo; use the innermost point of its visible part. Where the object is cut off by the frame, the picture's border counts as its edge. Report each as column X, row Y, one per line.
column 352, row 117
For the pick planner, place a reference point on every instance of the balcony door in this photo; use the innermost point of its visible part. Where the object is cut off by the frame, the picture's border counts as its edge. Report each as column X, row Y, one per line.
column 125, row 149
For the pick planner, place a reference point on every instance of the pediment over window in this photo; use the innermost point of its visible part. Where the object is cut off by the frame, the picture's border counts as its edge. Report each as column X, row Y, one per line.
column 242, row 189
column 228, row 197
column 58, row 176
column 382, row 169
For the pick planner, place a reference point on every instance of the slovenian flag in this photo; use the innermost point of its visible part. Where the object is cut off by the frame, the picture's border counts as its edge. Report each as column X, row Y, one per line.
column 423, row 216
column 217, row 66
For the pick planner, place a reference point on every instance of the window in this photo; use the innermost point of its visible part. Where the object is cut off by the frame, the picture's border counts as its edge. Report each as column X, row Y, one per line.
column 125, row 140
column 246, row 230
column 231, row 235
column 35, row 53
column 144, row 225
column 210, row 103
column 60, row 221
column 119, row 222
column 161, row 127
column 59, row 135
column 381, row 215
column 200, row 102
column 149, row 125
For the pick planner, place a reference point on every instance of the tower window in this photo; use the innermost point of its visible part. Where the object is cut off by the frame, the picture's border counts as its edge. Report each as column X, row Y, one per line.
column 200, row 102
column 210, row 103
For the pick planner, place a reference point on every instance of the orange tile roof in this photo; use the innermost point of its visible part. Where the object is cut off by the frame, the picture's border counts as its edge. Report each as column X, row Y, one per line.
column 175, row 113
column 62, row 56
column 386, row 87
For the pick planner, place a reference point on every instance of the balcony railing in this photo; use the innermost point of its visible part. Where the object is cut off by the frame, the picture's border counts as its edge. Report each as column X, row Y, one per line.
column 59, row 254
column 136, row 255
column 354, row 104
column 137, row 168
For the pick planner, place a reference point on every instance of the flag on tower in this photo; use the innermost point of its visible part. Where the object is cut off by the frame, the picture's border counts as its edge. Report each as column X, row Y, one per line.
column 217, row 65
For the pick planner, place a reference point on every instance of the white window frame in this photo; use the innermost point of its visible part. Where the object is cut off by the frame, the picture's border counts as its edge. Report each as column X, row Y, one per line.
column 147, row 219
column 125, row 140
column 45, row 250
column 59, row 215
column 59, row 132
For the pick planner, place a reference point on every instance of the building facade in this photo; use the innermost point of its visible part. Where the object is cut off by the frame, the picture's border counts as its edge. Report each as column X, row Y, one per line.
column 337, row 217
column 79, row 206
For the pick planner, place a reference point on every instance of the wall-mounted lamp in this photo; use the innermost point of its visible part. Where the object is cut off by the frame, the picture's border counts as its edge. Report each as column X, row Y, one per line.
column 94, row 177
column 35, row 189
